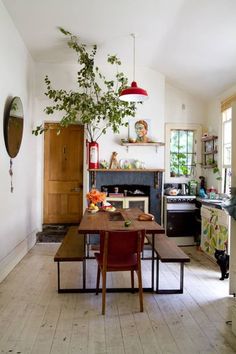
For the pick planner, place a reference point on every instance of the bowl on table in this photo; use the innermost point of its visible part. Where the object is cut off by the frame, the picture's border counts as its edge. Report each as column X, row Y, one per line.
column 111, row 209
column 93, row 211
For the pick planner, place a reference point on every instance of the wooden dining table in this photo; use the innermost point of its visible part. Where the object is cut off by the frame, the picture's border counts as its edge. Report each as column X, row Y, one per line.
column 104, row 220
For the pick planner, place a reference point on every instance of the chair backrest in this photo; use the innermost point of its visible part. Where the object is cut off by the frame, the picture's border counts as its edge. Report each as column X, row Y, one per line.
column 122, row 243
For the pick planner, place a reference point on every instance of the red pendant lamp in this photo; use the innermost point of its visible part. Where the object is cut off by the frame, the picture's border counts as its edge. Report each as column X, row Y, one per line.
column 133, row 93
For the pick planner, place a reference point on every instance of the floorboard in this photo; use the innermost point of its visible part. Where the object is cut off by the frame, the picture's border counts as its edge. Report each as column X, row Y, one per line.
column 35, row 319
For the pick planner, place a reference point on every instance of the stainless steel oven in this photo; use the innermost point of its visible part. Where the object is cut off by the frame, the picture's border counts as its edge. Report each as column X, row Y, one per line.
column 180, row 219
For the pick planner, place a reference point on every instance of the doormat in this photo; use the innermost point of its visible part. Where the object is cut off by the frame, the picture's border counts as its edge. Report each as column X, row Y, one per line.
column 52, row 233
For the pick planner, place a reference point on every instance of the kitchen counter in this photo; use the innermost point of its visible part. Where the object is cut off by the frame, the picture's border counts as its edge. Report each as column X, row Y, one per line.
column 215, row 203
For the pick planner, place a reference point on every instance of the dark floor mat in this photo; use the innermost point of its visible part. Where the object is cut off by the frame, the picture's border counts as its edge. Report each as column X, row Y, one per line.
column 52, row 233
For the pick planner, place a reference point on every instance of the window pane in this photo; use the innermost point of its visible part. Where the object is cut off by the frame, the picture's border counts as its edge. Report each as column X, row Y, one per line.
column 227, row 131
column 181, row 156
column 174, row 164
column 182, row 141
column 190, row 141
column 226, row 147
column 227, row 154
column 174, row 140
column 227, row 114
column 191, row 159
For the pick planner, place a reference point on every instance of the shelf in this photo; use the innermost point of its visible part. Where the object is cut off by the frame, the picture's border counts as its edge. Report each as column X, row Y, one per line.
column 212, row 152
column 209, row 151
column 209, row 138
column 126, row 170
column 143, row 144
column 156, row 144
column 209, row 166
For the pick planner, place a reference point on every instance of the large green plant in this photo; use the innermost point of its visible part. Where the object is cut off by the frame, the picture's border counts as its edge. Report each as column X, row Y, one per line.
column 96, row 104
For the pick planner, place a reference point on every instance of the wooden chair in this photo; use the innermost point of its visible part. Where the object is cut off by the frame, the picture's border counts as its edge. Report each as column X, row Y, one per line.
column 120, row 251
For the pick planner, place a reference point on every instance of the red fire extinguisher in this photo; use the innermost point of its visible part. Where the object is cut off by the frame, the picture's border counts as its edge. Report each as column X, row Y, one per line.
column 93, row 159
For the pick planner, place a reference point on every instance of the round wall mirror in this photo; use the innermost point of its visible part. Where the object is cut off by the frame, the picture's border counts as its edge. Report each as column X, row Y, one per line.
column 13, row 127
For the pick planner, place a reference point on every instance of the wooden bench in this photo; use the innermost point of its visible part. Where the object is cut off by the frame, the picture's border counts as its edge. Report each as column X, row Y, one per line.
column 72, row 249
column 168, row 252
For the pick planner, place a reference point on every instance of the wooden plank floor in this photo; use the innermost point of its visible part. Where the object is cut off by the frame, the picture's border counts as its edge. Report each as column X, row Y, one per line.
column 34, row 318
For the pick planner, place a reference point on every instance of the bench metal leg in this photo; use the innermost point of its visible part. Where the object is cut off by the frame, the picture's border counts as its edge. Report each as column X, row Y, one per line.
column 84, row 273
column 157, row 275
column 71, row 290
column 182, row 277
column 170, row 291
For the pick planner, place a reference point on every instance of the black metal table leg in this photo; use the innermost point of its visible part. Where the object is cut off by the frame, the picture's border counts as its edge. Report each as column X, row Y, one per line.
column 181, row 277
column 152, row 275
column 58, row 277
column 84, row 262
column 86, row 241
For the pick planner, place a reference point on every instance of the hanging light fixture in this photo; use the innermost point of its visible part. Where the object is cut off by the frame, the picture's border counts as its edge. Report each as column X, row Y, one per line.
column 133, row 93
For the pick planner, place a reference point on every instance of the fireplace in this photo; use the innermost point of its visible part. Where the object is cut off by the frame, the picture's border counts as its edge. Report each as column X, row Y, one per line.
column 140, row 184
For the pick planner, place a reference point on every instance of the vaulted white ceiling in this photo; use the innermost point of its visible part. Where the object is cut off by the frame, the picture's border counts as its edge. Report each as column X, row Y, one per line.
column 192, row 42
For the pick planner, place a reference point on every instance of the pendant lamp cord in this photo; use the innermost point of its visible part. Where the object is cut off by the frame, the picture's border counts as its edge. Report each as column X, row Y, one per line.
column 133, row 36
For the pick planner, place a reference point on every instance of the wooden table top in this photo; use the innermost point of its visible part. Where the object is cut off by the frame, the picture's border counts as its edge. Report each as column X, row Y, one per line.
column 93, row 223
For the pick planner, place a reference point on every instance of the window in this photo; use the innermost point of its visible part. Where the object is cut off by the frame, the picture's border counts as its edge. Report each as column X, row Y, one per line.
column 183, row 152
column 226, row 147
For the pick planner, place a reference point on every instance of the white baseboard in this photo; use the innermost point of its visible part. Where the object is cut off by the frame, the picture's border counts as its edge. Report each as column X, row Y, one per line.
column 16, row 255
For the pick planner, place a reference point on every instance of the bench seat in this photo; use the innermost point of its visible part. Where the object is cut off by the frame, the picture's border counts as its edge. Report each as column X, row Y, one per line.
column 168, row 252
column 72, row 249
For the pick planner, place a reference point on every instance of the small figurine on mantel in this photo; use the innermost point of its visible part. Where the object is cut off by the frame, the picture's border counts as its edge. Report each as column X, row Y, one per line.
column 114, row 162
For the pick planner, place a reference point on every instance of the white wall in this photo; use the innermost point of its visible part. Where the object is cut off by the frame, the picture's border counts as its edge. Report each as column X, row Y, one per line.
column 19, row 211
column 182, row 107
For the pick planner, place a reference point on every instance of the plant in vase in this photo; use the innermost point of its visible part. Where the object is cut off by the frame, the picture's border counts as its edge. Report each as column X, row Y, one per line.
column 94, row 197
column 96, row 104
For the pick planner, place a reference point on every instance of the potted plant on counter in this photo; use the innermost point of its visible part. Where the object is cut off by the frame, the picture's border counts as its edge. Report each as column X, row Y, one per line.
column 96, row 103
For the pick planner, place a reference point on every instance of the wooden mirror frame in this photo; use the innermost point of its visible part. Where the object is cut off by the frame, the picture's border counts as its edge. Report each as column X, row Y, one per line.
column 13, row 126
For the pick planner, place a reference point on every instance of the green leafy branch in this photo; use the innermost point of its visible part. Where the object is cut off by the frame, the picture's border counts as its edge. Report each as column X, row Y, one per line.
column 96, row 104
column 216, row 170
